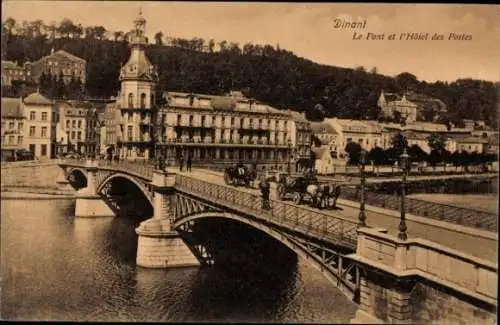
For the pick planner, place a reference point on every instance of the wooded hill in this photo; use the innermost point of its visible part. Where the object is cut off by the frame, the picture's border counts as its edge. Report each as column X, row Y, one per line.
column 270, row 74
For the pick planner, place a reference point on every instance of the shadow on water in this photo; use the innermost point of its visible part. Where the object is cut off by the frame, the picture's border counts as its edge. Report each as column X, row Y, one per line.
column 252, row 278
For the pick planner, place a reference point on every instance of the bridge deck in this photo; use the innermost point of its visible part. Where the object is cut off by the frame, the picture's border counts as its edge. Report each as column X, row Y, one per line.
column 436, row 231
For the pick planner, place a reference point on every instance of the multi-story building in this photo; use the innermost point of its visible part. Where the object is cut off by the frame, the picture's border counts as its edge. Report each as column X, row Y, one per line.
column 217, row 129
column 38, row 111
column 406, row 109
column 60, row 62
column 79, row 120
column 13, row 123
column 137, row 100
column 301, row 141
column 471, row 144
column 367, row 133
column 11, row 71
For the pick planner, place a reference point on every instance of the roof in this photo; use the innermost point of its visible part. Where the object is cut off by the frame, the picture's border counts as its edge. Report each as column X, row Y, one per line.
column 64, row 55
column 238, row 104
column 320, row 127
column 356, row 126
column 469, row 139
column 427, row 126
column 138, row 66
column 11, row 108
column 9, row 65
column 37, row 99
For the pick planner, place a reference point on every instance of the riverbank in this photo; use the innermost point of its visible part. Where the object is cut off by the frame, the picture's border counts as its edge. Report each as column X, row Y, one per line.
column 33, row 193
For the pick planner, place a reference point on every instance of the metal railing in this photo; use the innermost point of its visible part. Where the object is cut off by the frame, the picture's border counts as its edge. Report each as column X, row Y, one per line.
column 142, row 168
column 313, row 223
column 438, row 211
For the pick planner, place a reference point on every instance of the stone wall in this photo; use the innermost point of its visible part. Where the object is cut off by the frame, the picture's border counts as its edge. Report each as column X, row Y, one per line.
column 34, row 175
column 421, row 302
column 434, row 304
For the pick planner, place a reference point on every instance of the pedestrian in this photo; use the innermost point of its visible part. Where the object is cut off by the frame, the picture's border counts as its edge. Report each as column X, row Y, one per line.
column 265, row 188
column 181, row 163
column 188, row 163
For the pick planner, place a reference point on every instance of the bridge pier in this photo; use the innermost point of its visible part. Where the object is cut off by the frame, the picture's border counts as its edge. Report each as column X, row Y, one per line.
column 88, row 202
column 158, row 245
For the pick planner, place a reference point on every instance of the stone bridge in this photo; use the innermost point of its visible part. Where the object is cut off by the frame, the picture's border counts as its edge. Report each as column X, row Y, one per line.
column 392, row 280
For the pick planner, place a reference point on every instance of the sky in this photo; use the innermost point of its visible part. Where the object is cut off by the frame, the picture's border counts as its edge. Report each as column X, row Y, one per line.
column 307, row 29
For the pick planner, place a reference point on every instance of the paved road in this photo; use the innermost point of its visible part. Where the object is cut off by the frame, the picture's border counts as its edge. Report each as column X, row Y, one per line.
column 468, row 243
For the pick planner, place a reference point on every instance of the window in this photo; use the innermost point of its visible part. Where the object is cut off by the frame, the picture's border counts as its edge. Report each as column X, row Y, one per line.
column 44, row 150
column 72, row 135
column 129, row 133
column 67, row 124
column 73, row 123
column 32, row 115
column 44, row 116
column 360, row 140
column 79, row 124
column 179, row 119
column 143, row 100
column 20, row 126
column 11, row 139
column 53, row 116
column 191, row 101
column 79, row 135
column 44, row 131
column 32, row 148
column 203, row 121
column 11, row 125
column 130, row 116
column 20, row 139
column 190, row 120
column 232, row 121
column 130, row 100
column 32, row 131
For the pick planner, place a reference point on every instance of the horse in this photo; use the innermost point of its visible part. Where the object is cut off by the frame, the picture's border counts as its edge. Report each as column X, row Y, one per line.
column 330, row 194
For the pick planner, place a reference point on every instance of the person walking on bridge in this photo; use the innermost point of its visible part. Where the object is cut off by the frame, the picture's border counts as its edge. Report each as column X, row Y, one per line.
column 188, row 163
column 265, row 189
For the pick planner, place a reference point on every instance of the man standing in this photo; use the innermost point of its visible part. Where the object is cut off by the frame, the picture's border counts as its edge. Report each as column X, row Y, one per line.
column 188, row 163
column 265, row 188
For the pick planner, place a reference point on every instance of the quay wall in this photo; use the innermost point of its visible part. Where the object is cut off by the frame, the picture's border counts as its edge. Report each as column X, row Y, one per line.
column 30, row 174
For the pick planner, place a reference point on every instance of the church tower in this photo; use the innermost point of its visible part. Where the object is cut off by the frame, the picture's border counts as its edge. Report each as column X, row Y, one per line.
column 138, row 79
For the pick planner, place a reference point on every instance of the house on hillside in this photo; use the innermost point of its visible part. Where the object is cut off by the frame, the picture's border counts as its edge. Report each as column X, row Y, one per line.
column 60, row 62
column 410, row 106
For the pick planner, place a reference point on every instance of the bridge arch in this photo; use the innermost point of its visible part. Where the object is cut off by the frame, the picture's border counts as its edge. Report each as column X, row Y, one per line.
column 129, row 178
column 77, row 177
column 287, row 240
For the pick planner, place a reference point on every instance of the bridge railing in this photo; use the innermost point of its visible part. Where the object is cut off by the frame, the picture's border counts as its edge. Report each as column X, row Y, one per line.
column 438, row 211
column 143, row 169
column 334, row 229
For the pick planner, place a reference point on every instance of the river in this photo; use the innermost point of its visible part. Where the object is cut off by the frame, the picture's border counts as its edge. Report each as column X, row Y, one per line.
column 58, row 267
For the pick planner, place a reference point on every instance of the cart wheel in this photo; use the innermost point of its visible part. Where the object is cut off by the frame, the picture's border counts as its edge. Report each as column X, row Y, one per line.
column 297, row 198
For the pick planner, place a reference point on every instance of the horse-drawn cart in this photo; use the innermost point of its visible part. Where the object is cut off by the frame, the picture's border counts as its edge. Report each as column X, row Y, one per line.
column 239, row 175
column 319, row 194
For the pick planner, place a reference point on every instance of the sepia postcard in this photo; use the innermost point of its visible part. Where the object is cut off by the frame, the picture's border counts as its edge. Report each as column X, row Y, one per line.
column 237, row 162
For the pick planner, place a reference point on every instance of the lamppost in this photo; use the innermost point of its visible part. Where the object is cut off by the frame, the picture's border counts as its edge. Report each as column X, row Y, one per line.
column 402, row 223
column 289, row 155
column 362, row 215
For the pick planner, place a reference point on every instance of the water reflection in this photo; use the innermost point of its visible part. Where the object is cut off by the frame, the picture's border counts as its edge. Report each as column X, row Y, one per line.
column 57, row 267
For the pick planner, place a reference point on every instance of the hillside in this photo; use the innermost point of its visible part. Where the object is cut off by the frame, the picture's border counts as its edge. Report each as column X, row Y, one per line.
column 270, row 74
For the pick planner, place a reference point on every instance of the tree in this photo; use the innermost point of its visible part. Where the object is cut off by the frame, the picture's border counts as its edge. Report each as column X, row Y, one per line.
column 9, row 24
column 399, row 142
column 118, row 35
column 353, row 149
column 437, row 142
column 377, row 155
column 416, row 153
column 159, row 38
column 434, row 158
column 406, row 81
column 211, row 45
column 66, row 27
